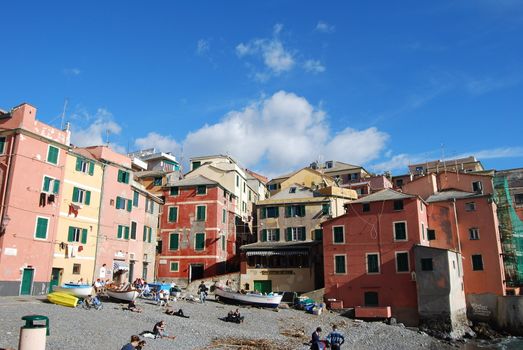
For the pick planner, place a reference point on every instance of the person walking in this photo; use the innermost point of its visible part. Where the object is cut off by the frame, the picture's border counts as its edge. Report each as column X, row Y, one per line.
column 202, row 289
column 316, row 342
column 335, row 338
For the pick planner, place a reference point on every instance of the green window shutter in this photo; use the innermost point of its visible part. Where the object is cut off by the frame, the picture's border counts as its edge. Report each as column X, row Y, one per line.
column 56, row 186
column 126, row 232
column 2, row 145
column 47, row 183
column 288, row 231
column 78, row 164
column 302, row 235
column 173, row 214
column 302, row 211
column 129, row 205
column 84, row 236
column 224, row 216
column 277, row 235
column 277, row 212
column 87, row 199
column 133, row 230
column 120, row 179
column 223, row 243
column 91, row 168
column 145, row 233
column 263, row 213
column 288, row 211
column 126, row 174
column 136, row 197
column 41, row 228
column 174, row 191
column 200, row 241
column 150, row 238
column 70, row 235
column 76, row 194
column 120, row 233
column 52, row 155
column 264, row 235
column 173, row 241
column 200, row 213
column 318, row 234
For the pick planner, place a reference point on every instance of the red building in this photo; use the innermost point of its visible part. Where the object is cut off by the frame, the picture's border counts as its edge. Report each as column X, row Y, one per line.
column 368, row 252
column 197, row 229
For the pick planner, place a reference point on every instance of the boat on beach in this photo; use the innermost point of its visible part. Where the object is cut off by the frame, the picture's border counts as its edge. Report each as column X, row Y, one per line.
column 78, row 290
column 64, row 299
column 125, row 295
column 227, row 295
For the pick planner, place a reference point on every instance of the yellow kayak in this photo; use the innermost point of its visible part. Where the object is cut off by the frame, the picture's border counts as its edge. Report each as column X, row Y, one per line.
column 61, row 298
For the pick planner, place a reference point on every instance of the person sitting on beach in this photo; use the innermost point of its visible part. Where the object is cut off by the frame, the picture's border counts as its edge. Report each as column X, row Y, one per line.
column 235, row 316
column 132, row 345
column 132, row 307
column 159, row 331
column 146, row 290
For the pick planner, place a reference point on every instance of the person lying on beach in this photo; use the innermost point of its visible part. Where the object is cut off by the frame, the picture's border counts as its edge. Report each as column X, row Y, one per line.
column 132, row 307
column 159, row 331
column 175, row 313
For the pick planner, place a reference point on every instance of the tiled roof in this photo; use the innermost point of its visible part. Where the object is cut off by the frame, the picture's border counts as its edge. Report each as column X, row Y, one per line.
column 193, row 181
column 446, row 195
column 383, row 195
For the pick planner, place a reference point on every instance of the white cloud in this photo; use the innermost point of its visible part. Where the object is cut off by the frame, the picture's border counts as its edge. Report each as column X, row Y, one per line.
column 501, row 152
column 281, row 133
column 96, row 133
column 397, row 162
column 202, row 47
column 275, row 56
column 313, row 66
column 71, row 72
column 324, row 27
column 278, row 27
column 160, row 142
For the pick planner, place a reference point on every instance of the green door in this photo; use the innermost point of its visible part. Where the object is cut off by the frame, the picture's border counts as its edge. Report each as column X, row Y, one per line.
column 27, row 282
column 263, row 286
column 55, row 278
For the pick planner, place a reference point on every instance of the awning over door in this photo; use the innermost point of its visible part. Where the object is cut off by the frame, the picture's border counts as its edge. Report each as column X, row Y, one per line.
column 120, row 266
column 276, row 252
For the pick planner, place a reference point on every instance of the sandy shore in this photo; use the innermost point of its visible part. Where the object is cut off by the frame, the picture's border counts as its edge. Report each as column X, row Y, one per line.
column 111, row 327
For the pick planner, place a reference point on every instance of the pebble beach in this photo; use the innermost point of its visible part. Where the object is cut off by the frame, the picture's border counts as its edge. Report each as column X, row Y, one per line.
column 112, row 326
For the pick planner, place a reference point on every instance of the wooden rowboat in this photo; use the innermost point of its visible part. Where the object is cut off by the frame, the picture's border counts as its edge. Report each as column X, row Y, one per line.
column 125, row 295
column 229, row 296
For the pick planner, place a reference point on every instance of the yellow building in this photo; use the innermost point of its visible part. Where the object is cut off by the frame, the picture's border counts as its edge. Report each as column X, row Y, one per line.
column 305, row 177
column 79, row 201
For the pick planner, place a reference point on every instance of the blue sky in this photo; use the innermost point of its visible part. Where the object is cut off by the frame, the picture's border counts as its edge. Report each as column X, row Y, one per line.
column 276, row 84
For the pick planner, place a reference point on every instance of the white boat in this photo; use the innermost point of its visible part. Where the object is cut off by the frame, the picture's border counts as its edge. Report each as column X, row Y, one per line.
column 126, row 295
column 78, row 290
column 227, row 295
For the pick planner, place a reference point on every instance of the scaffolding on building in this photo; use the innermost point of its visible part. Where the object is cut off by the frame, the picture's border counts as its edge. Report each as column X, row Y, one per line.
column 511, row 231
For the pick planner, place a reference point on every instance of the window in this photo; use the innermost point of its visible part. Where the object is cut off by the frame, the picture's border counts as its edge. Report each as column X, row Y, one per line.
column 237, row 181
column 325, row 208
column 398, row 204
column 123, row 176
column 76, row 269
column 399, row 182
column 340, row 266
column 423, row 230
column 292, row 190
column 123, row 232
column 431, row 234
column 202, row 189
column 199, row 241
column 223, row 243
column 473, row 234
column 122, row 203
column 2, row 145
column 174, row 266
column 200, row 212
column 174, row 191
column 52, row 155
column 157, row 181
column 136, row 197
column 41, row 227
column 272, row 187
column 133, row 230
column 294, row 211
column 402, row 262
column 470, row 206
column 196, row 165
column 318, row 234
column 477, row 262
column 370, row 298
column 174, row 241
column 149, row 206
column 84, row 166
column 173, row 214
column 366, row 207
column 518, row 198
column 77, row 234
column 269, row 212
column 51, row 185
column 338, row 234
column 270, row 235
column 250, row 196
column 295, row 234
column 426, row 264
column 147, row 234
column 373, row 263
column 244, row 187
column 400, row 231
column 224, row 215
column 244, row 206
column 477, row 186
column 81, row 196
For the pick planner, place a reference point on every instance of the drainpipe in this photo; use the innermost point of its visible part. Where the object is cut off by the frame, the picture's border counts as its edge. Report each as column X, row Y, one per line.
column 98, row 237
column 457, row 232
column 8, row 173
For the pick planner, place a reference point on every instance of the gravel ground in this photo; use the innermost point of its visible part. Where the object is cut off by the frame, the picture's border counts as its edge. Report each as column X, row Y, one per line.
column 111, row 327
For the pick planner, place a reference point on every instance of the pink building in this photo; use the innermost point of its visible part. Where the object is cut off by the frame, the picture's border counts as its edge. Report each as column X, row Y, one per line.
column 32, row 157
column 127, row 234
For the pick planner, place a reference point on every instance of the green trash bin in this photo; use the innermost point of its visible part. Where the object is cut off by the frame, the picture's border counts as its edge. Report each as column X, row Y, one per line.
column 33, row 334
